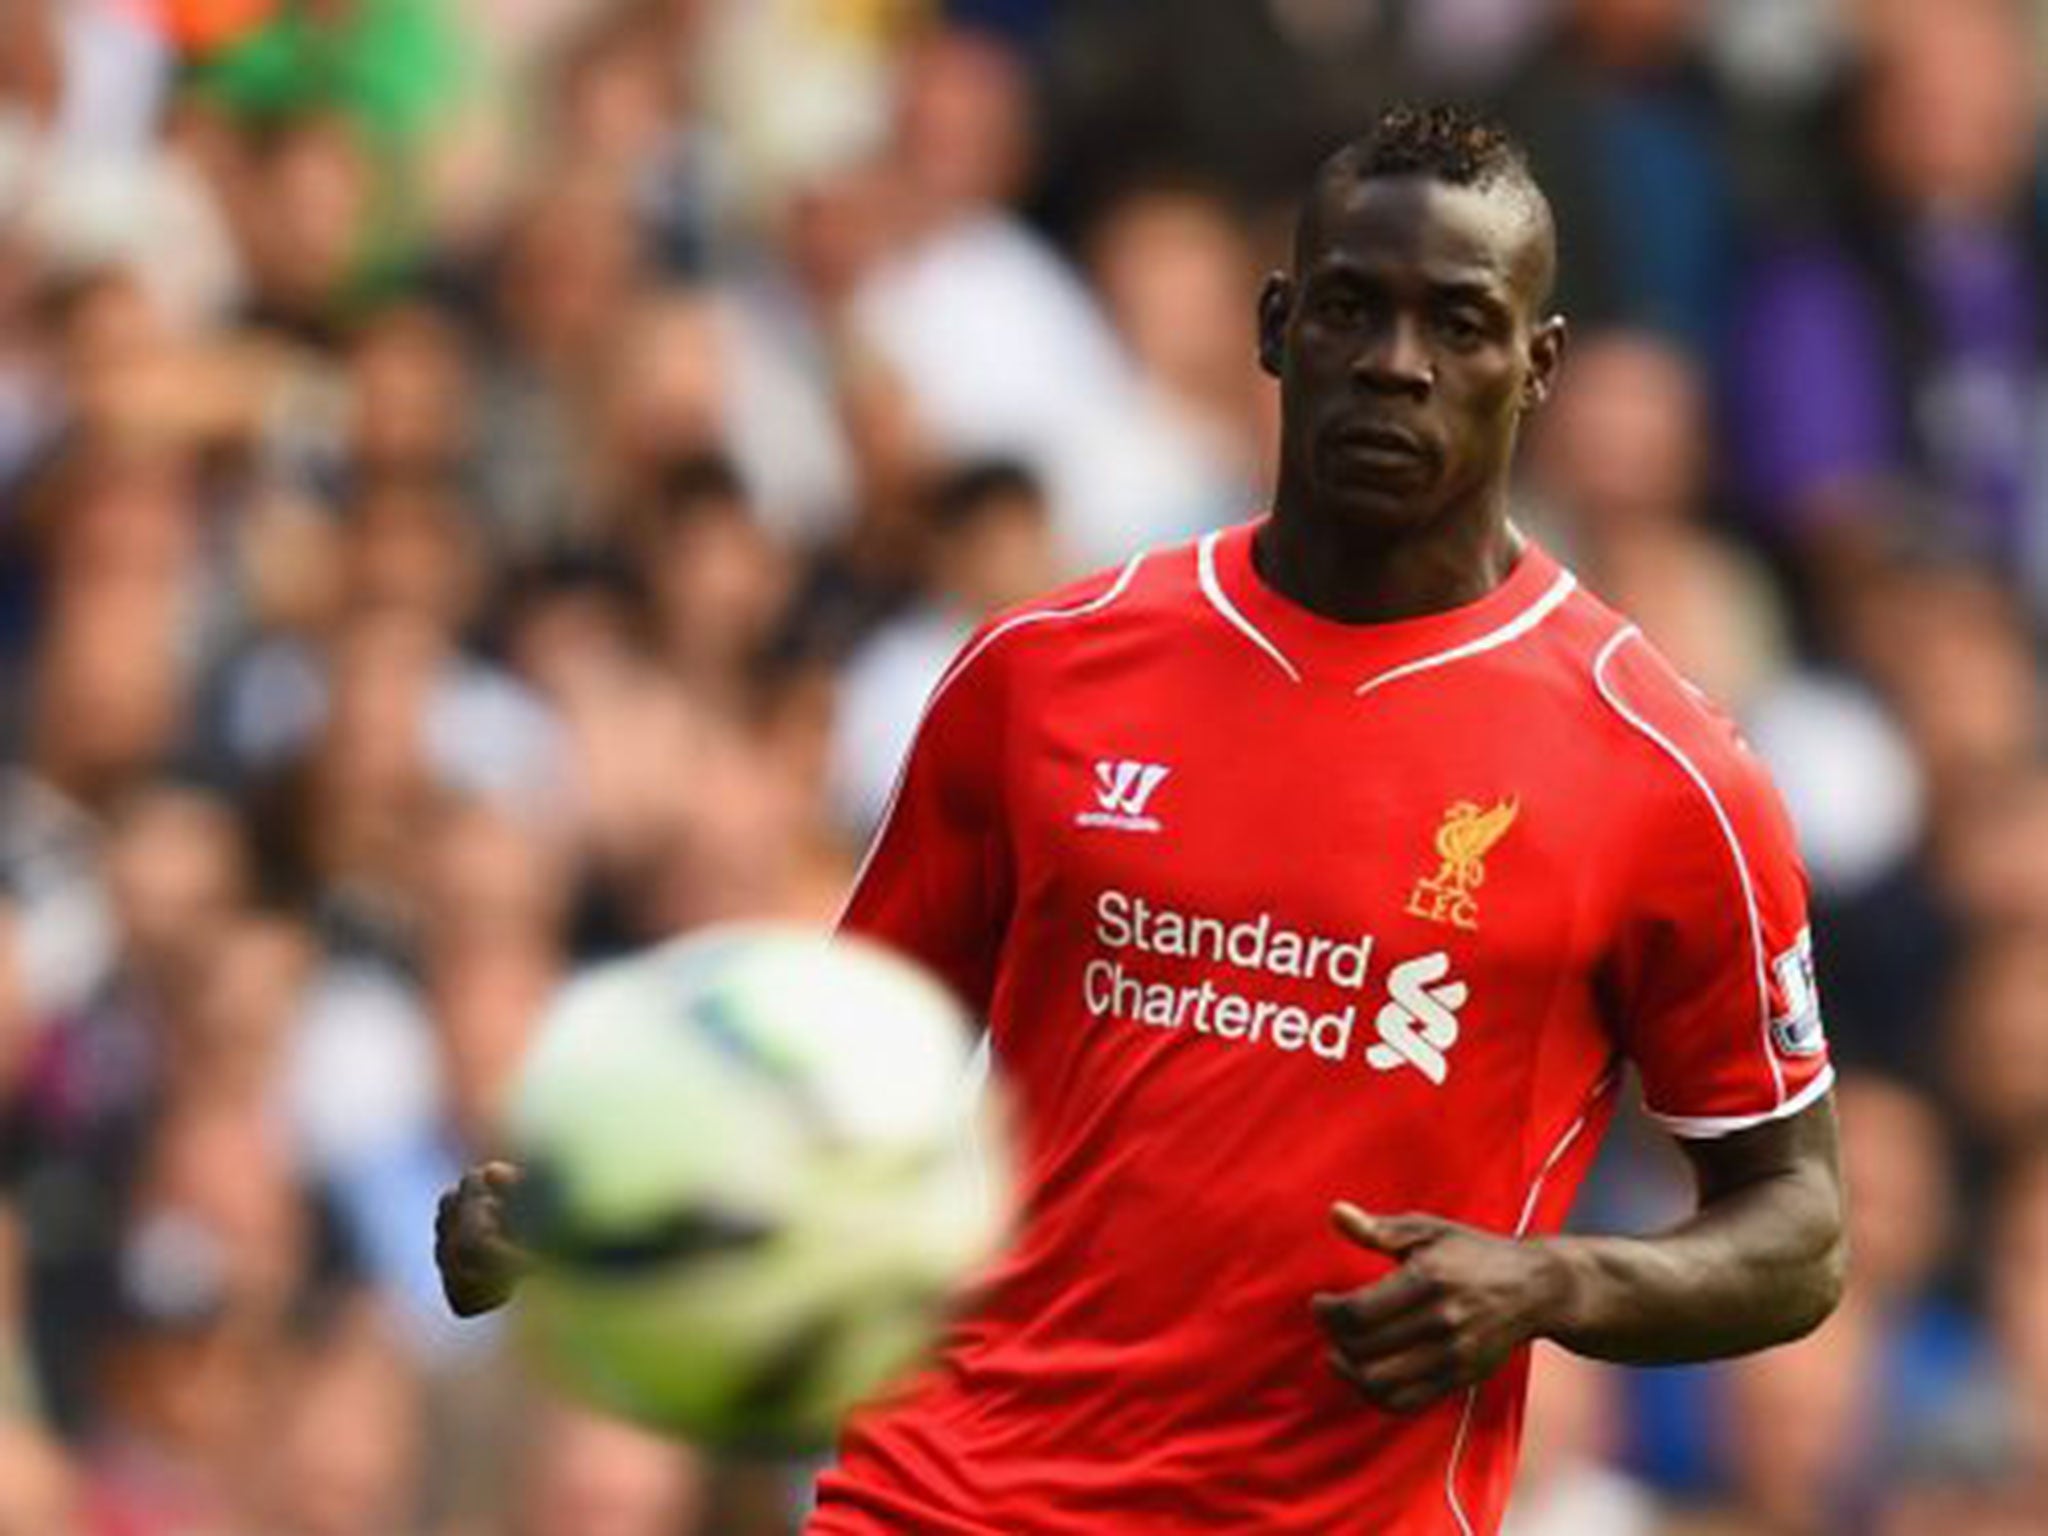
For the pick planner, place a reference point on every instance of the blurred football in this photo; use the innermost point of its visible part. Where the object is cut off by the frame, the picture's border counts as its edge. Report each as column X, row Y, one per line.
column 757, row 1176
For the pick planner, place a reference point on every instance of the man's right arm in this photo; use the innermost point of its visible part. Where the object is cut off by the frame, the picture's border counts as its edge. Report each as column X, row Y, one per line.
column 937, row 881
column 935, row 886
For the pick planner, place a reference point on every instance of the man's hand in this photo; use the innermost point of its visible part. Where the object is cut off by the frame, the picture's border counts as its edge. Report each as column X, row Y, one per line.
column 479, row 1263
column 1459, row 1304
column 1761, row 1262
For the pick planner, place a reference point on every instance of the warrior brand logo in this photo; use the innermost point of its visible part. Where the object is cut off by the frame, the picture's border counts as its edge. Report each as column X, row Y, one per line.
column 1420, row 1020
column 1126, row 786
column 1468, row 832
column 1122, row 789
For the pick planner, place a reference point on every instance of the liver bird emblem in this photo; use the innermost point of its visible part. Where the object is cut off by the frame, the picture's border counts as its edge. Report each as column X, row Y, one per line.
column 1468, row 833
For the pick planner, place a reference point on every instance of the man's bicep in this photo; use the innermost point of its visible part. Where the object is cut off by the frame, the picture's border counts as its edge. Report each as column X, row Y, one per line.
column 1804, row 1147
column 1779, row 1185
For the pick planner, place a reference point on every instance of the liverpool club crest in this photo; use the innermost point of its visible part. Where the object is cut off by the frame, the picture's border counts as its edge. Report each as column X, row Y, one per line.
column 1468, row 833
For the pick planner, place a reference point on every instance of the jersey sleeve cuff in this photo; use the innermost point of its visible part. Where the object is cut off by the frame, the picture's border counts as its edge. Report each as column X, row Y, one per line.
column 1707, row 1127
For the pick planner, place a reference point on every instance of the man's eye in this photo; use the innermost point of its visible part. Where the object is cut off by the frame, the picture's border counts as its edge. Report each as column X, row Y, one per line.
column 1464, row 330
column 1339, row 308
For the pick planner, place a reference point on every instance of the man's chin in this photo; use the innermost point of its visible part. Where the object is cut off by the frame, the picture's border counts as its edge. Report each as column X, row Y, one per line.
column 1382, row 506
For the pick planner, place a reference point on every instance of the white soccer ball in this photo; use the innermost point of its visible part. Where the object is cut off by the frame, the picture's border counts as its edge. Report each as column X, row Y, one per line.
column 757, row 1175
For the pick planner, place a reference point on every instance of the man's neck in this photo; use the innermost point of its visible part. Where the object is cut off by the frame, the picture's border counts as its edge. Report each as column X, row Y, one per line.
column 1346, row 574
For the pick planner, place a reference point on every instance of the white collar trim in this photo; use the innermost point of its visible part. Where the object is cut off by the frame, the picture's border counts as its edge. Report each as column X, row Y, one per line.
column 1513, row 629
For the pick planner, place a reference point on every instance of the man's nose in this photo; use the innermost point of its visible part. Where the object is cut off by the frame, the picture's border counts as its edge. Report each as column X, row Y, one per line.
column 1394, row 359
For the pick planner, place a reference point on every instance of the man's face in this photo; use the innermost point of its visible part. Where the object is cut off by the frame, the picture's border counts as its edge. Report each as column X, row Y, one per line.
column 1407, row 346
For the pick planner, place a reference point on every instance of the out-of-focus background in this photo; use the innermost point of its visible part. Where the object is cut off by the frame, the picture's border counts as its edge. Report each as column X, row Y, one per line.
column 487, row 483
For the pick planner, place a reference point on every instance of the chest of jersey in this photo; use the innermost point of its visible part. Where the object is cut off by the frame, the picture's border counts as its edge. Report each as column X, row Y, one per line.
column 1292, row 901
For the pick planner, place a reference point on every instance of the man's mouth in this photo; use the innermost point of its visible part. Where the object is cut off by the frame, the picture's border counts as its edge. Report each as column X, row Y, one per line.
column 1376, row 451
column 1379, row 440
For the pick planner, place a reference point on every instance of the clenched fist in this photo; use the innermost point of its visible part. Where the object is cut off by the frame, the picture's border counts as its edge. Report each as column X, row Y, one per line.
column 480, row 1264
column 1459, row 1304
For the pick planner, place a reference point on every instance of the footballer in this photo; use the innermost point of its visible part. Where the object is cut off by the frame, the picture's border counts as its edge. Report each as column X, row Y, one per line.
column 1317, row 881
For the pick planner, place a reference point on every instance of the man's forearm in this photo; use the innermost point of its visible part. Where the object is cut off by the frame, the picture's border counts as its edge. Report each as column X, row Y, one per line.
column 1762, row 1263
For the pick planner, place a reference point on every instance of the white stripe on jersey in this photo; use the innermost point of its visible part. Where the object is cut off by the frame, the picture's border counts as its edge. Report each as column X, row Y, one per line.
column 1756, row 927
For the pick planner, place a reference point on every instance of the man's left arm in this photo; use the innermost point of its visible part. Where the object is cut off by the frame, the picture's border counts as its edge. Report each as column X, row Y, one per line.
column 1760, row 1262
column 1709, row 985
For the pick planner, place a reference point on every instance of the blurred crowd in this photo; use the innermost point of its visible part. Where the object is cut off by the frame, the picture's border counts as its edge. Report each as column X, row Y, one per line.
column 485, row 484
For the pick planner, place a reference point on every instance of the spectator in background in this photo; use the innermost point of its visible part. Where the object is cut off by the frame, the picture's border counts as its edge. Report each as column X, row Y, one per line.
column 1797, row 1434
column 622, row 101
column 988, row 544
column 344, row 1458
column 1943, row 649
column 570, row 264
column 495, row 897
column 1996, row 1043
column 27, row 409
column 1892, row 367
column 407, row 412
column 38, row 1491
column 120, row 610
column 1987, row 1467
column 172, row 874
column 1994, row 851
column 390, row 656
column 1622, row 473
column 693, row 370
column 393, row 76
column 219, row 1248
column 1626, row 119
column 1623, row 477
column 588, row 1476
column 1920, row 629
column 1173, row 265
column 1566, row 1484
column 1904, row 1221
column 997, row 344
column 717, row 581
column 306, row 202
column 1248, row 93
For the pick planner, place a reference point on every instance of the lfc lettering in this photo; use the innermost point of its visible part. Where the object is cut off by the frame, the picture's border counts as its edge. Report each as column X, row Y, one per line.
column 1468, row 831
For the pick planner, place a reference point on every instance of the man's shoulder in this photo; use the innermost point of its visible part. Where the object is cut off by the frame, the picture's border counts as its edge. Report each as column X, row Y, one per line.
column 1680, row 754
column 1153, row 587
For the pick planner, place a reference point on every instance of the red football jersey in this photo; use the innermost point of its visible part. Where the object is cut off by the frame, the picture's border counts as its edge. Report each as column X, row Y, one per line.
column 1264, row 912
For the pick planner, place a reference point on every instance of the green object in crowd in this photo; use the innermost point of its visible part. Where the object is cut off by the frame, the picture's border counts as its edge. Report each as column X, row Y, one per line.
column 394, row 67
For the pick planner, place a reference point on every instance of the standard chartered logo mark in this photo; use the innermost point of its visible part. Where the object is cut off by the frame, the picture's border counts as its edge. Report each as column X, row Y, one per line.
column 1255, row 982
column 1420, row 1021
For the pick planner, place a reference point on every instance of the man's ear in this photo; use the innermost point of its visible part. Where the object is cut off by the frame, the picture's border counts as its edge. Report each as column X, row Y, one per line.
column 1546, row 356
column 1276, row 297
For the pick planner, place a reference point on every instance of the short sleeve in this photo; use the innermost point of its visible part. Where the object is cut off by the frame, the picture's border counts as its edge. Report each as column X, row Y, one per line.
column 1710, row 977
column 936, row 882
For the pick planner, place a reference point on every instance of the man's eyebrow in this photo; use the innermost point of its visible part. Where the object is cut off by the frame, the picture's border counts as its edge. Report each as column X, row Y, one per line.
column 1470, row 291
column 1340, row 269
column 1478, row 288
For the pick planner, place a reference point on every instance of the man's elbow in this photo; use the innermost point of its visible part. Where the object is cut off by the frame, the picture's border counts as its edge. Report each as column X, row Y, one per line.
column 1817, row 1287
column 1819, row 1291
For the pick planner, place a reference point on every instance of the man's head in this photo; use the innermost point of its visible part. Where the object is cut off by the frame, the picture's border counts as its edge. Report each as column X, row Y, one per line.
column 1413, row 332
